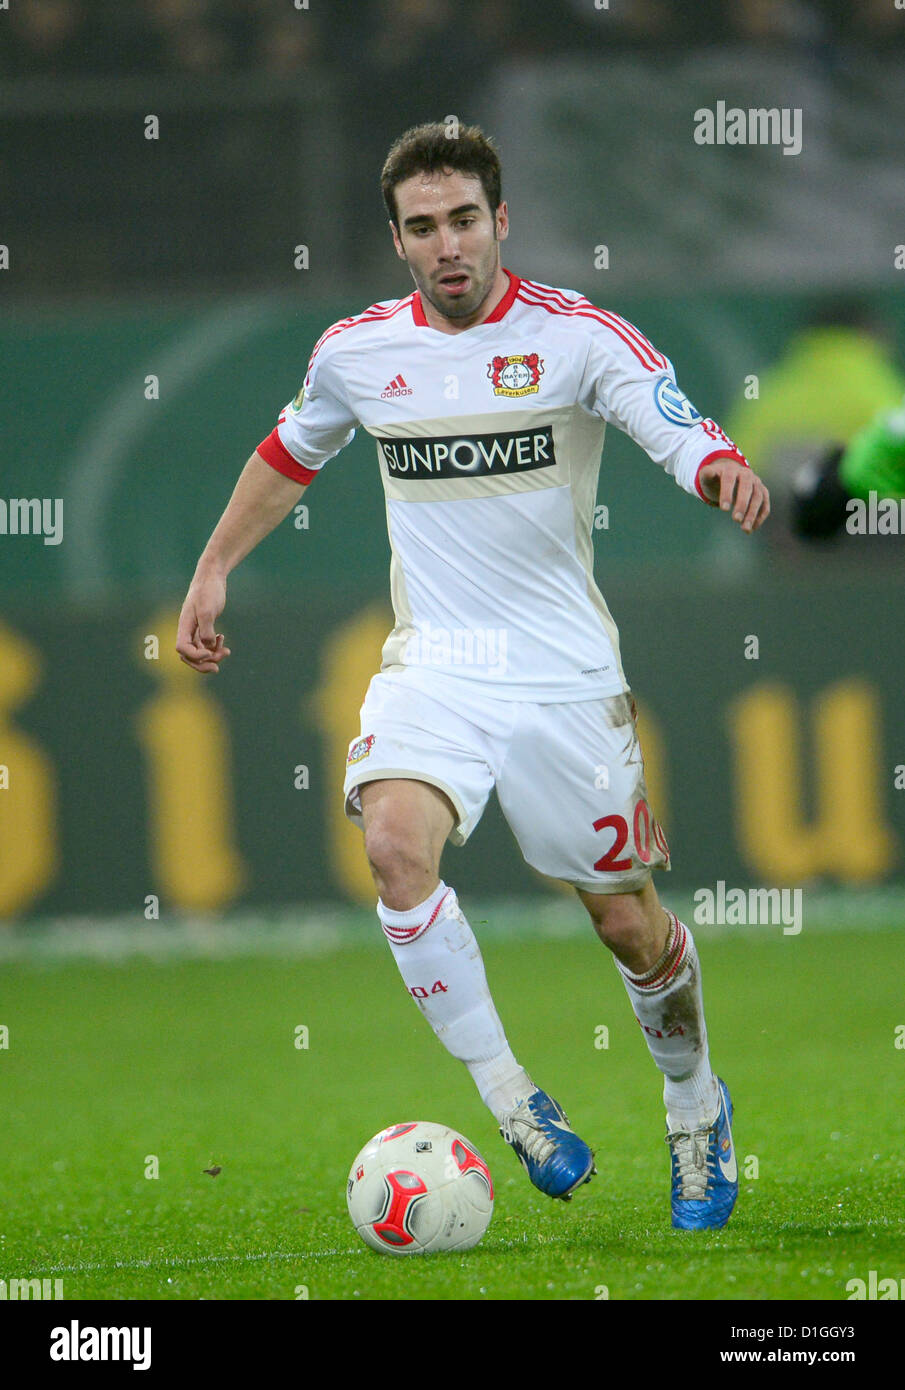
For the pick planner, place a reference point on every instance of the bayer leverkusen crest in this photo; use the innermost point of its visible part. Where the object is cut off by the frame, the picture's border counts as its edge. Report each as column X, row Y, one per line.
column 516, row 375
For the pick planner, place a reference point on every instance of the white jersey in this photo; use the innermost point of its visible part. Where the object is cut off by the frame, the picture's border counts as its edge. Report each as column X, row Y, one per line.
column 489, row 444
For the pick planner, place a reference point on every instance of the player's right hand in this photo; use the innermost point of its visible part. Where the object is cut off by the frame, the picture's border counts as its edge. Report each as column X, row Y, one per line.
column 198, row 645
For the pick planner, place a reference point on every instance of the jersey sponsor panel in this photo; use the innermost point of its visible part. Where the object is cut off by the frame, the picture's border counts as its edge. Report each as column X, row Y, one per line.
column 457, row 455
column 453, row 457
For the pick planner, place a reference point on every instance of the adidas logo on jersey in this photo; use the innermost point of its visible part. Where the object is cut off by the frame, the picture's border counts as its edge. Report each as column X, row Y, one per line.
column 397, row 387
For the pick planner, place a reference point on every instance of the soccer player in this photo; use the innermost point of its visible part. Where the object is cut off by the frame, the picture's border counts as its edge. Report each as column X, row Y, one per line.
column 487, row 396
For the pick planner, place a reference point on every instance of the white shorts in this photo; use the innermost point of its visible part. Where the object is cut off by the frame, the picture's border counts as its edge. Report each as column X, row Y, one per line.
column 569, row 777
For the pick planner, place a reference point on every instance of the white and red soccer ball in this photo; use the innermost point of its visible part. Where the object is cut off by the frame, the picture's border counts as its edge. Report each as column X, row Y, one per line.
column 419, row 1187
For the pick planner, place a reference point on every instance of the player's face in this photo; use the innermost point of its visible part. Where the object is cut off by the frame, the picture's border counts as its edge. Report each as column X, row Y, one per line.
column 451, row 241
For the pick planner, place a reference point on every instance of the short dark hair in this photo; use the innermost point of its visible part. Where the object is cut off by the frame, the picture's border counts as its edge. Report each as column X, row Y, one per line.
column 432, row 148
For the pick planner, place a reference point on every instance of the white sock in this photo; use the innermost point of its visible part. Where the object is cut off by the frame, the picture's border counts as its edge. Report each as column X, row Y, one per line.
column 669, row 1005
column 440, row 961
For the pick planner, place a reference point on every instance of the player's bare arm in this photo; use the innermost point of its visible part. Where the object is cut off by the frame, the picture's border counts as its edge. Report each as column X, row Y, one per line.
column 730, row 485
column 261, row 500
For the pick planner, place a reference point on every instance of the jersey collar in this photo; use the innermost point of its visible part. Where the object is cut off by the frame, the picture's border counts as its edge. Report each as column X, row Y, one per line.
column 499, row 312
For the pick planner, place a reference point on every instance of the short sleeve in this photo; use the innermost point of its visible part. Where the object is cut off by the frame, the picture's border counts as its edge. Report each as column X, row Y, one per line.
column 313, row 427
column 628, row 383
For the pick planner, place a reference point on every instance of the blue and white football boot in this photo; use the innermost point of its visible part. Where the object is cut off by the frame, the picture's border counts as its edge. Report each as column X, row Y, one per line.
column 552, row 1154
column 704, row 1172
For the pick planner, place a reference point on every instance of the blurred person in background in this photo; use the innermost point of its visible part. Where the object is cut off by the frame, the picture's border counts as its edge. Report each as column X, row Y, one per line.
column 835, row 374
column 870, row 469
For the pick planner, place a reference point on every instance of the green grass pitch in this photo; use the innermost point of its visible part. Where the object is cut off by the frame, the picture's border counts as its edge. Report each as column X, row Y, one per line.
column 194, row 1061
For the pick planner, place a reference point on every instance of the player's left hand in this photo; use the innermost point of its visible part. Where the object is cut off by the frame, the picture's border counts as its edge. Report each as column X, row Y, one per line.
column 731, row 485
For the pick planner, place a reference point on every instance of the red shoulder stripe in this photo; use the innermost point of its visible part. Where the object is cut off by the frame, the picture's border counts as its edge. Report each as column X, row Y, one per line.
column 375, row 314
column 588, row 314
column 607, row 315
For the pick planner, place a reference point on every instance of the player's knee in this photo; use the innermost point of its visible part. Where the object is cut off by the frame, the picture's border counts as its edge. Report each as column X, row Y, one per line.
column 400, row 864
column 620, row 921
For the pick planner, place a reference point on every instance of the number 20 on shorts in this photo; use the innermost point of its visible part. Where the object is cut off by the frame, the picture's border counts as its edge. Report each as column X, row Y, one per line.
column 644, row 825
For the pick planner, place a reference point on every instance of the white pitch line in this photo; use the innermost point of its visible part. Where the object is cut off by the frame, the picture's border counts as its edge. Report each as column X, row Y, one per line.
column 310, row 930
column 176, row 1262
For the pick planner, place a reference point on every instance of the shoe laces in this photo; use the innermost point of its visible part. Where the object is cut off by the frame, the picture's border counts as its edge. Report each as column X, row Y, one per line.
column 691, row 1154
column 531, row 1136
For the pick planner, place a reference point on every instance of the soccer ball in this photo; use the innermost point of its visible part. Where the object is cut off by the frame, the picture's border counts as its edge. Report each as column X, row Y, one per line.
column 419, row 1187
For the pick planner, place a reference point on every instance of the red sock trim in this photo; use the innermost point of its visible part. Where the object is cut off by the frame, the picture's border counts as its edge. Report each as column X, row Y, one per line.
column 670, row 962
column 402, row 936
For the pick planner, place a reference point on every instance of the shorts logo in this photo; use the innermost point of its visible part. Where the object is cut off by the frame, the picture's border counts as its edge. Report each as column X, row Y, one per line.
column 360, row 749
column 516, row 375
column 673, row 404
